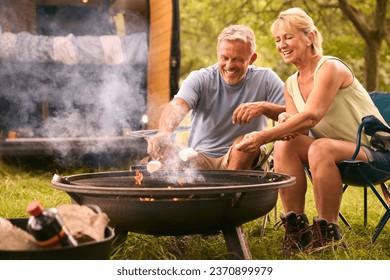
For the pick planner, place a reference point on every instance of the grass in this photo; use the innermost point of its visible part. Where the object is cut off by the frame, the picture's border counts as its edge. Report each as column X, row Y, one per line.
column 20, row 185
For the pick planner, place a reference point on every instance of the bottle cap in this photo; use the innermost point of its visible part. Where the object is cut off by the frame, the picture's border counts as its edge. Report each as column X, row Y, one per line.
column 35, row 208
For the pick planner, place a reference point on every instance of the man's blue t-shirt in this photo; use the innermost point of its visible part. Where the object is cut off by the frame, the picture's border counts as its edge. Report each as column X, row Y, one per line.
column 213, row 101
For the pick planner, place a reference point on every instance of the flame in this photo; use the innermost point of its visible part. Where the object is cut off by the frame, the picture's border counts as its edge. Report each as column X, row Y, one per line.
column 138, row 177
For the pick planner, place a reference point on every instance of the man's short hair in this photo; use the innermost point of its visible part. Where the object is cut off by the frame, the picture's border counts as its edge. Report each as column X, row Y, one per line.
column 240, row 33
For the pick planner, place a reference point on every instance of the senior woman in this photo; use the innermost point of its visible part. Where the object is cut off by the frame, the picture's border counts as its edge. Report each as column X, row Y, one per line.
column 325, row 98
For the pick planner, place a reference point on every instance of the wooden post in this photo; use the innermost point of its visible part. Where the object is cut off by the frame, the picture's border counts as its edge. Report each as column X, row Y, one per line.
column 18, row 15
column 158, row 76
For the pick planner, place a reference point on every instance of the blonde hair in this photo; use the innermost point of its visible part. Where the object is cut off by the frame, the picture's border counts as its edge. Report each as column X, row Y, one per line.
column 238, row 33
column 296, row 20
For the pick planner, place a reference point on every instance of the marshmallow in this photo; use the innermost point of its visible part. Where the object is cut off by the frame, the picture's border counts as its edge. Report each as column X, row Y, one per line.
column 188, row 154
column 153, row 166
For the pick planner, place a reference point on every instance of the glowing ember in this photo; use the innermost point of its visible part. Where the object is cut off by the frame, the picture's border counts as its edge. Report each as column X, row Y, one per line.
column 138, row 177
column 138, row 180
column 146, row 199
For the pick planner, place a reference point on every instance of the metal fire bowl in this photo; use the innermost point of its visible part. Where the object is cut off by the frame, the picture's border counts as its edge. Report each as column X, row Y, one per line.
column 168, row 203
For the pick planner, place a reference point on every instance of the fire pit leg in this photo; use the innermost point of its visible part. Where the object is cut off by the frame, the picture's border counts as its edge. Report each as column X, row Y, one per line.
column 236, row 243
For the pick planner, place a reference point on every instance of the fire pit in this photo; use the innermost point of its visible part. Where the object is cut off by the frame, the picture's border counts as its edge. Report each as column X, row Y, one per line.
column 169, row 203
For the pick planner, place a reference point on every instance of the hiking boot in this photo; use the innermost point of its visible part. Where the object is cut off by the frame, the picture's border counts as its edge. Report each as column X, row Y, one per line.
column 297, row 234
column 324, row 234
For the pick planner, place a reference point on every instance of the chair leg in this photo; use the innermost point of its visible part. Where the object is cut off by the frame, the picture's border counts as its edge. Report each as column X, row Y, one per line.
column 386, row 192
column 276, row 212
column 365, row 206
column 342, row 218
column 264, row 224
column 381, row 225
column 385, row 218
column 267, row 218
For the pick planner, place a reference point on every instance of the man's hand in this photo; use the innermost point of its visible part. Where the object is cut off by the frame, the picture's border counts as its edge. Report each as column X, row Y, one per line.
column 246, row 112
column 157, row 144
column 170, row 118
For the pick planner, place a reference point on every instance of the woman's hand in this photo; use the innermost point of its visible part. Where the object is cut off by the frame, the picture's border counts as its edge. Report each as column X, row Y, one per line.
column 283, row 117
column 250, row 143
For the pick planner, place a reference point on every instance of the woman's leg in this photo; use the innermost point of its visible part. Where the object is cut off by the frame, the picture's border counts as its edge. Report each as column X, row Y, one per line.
column 290, row 158
column 323, row 155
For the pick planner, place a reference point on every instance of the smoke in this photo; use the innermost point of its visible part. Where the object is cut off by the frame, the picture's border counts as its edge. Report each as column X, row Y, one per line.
column 178, row 177
column 176, row 171
column 72, row 86
column 95, row 103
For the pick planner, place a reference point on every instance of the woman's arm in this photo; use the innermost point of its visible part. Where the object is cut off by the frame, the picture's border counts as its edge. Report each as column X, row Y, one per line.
column 332, row 76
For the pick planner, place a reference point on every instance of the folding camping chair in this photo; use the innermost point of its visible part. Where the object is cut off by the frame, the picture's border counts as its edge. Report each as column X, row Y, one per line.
column 361, row 174
column 358, row 173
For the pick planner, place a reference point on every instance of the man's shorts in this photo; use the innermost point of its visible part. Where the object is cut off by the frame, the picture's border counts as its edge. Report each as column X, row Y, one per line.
column 204, row 161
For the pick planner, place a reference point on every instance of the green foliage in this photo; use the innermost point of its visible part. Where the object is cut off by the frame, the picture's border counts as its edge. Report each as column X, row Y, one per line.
column 201, row 22
column 18, row 188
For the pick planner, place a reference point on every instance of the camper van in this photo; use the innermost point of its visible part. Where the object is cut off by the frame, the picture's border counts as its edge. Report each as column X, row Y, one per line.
column 85, row 76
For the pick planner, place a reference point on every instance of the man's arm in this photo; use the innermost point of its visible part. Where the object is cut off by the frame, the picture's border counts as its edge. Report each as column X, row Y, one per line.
column 172, row 115
column 170, row 118
column 246, row 112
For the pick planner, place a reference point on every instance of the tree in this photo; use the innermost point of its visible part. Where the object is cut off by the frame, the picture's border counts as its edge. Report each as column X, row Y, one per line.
column 368, row 19
column 354, row 30
column 374, row 30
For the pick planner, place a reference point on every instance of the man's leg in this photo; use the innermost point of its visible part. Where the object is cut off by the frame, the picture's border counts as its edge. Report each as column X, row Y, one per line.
column 240, row 160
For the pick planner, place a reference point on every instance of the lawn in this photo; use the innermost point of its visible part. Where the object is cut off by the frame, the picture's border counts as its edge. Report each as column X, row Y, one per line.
column 20, row 185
